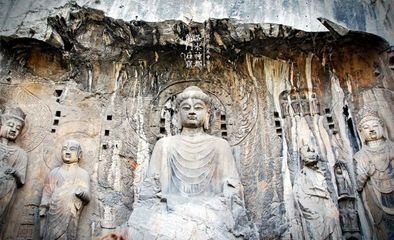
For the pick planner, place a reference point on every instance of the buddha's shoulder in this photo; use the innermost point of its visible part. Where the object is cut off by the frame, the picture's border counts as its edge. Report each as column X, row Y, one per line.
column 204, row 137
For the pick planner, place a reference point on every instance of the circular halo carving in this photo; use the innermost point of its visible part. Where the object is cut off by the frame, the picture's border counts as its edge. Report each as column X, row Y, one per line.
column 38, row 119
column 230, row 118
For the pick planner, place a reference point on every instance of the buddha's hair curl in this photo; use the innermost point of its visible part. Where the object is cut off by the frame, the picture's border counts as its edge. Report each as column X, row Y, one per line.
column 193, row 92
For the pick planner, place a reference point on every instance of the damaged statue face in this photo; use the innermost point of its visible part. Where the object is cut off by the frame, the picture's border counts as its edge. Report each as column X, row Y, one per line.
column 11, row 128
column 372, row 130
column 71, row 151
column 308, row 155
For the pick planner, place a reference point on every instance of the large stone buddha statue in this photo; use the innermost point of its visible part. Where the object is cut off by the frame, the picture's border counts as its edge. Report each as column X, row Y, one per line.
column 192, row 189
column 13, row 160
column 375, row 174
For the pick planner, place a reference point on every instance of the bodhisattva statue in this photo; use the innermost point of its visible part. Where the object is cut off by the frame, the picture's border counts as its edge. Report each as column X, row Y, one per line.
column 192, row 189
column 319, row 215
column 66, row 191
column 375, row 175
column 13, row 159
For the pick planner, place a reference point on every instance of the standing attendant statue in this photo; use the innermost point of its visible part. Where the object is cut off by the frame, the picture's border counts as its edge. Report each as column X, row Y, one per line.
column 66, row 191
column 319, row 215
column 375, row 174
column 13, row 159
column 192, row 189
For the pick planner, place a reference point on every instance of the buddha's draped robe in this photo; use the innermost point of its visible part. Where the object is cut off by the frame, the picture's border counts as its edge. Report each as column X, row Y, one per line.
column 376, row 167
column 16, row 158
column 200, row 192
column 193, row 166
column 64, row 207
column 318, row 211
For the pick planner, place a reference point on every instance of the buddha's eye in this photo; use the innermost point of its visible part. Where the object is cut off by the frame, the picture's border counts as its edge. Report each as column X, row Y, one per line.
column 185, row 107
column 198, row 107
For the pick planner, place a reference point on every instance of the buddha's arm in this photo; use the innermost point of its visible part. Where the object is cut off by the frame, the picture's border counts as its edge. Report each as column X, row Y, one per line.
column 151, row 185
column 84, row 187
column 20, row 168
column 362, row 174
column 49, row 186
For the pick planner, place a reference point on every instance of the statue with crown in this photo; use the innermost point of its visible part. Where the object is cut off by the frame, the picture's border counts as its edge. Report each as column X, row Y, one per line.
column 192, row 188
column 13, row 159
column 375, row 174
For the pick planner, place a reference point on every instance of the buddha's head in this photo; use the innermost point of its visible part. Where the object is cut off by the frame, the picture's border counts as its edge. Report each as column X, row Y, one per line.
column 371, row 127
column 193, row 108
column 12, row 122
column 308, row 155
column 71, row 151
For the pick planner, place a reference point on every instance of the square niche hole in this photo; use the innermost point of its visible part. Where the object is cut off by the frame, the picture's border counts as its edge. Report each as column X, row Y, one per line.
column 109, row 117
column 106, row 133
column 53, row 130
column 223, row 127
column 223, row 117
column 56, row 122
column 105, row 146
column 58, row 92
column 276, row 114
column 58, row 113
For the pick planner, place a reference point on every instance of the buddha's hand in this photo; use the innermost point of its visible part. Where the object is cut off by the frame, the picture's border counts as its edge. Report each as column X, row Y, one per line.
column 43, row 210
column 361, row 180
column 82, row 195
column 371, row 170
column 10, row 171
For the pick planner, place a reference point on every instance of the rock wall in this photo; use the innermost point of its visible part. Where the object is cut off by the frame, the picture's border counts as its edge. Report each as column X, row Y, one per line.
column 111, row 84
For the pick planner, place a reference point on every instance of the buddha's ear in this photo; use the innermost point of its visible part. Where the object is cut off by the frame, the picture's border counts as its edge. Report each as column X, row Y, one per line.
column 206, row 121
column 79, row 153
column 178, row 123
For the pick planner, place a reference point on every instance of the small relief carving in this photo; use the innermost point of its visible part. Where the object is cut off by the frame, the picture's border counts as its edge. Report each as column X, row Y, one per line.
column 65, row 193
column 192, row 182
column 342, row 180
column 13, row 159
column 319, row 215
column 348, row 217
column 375, row 175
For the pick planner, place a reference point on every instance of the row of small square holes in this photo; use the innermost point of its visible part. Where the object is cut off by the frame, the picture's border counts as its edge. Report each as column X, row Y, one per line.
column 56, row 121
column 58, row 93
column 106, row 132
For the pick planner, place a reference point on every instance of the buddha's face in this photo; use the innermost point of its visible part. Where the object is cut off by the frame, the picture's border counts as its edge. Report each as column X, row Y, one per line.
column 308, row 155
column 193, row 113
column 372, row 130
column 70, row 152
column 11, row 128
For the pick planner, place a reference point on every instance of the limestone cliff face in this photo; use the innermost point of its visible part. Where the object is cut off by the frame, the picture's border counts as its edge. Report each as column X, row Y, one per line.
column 77, row 72
column 28, row 18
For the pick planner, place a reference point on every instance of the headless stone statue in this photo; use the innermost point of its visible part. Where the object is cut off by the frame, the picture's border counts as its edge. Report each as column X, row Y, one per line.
column 13, row 159
column 192, row 189
column 66, row 191
column 319, row 215
column 375, row 175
